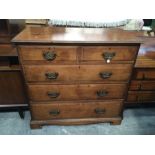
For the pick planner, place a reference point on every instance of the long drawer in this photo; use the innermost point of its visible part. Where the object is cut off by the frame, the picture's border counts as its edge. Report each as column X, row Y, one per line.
column 76, row 92
column 141, row 96
column 142, row 85
column 115, row 53
column 144, row 74
column 47, row 111
column 68, row 73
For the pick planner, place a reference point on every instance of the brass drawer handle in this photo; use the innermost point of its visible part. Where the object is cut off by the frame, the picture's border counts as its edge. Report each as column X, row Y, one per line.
column 53, row 94
column 52, row 75
column 108, row 56
column 54, row 112
column 101, row 93
column 50, row 56
column 105, row 75
column 99, row 111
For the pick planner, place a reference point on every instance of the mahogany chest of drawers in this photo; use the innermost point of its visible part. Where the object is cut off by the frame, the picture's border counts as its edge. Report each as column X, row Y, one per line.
column 76, row 75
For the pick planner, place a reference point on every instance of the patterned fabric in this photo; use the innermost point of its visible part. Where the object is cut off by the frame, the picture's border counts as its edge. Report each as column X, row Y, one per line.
column 53, row 22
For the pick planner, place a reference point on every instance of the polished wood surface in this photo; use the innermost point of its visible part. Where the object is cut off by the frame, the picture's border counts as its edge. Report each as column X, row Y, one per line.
column 77, row 54
column 141, row 96
column 144, row 74
column 146, row 54
column 75, row 73
column 122, row 53
column 72, row 72
column 63, row 53
column 142, row 85
column 76, row 110
column 8, row 50
column 76, row 92
column 77, row 35
column 38, row 124
column 12, row 91
column 12, row 88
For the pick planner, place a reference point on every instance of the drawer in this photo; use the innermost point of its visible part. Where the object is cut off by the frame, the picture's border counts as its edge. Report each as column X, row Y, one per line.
column 144, row 74
column 68, row 73
column 142, row 85
column 48, row 53
column 47, row 111
column 76, row 92
column 113, row 53
column 141, row 96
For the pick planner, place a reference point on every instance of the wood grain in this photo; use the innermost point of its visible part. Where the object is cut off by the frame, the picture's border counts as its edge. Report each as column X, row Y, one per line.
column 35, row 53
column 76, row 110
column 141, row 96
column 36, row 73
column 76, row 92
column 142, row 85
column 61, row 35
column 122, row 53
column 12, row 91
column 144, row 74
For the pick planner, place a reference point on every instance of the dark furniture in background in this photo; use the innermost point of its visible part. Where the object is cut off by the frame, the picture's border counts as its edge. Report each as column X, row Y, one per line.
column 142, row 88
column 12, row 89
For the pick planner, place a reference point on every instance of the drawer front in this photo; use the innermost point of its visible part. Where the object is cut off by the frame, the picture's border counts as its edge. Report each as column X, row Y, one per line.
column 135, row 85
column 132, row 97
column 67, row 73
column 48, row 53
column 141, row 96
column 115, row 53
column 144, row 74
column 76, row 92
column 142, row 85
column 47, row 111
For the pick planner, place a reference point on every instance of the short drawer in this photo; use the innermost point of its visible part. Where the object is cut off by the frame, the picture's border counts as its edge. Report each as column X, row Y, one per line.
column 68, row 73
column 47, row 111
column 142, row 85
column 144, row 74
column 76, row 92
column 48, row 53
column 114, row 53
column 141, row 96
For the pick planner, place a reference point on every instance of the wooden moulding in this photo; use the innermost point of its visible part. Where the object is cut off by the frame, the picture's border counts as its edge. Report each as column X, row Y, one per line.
column 39, row 124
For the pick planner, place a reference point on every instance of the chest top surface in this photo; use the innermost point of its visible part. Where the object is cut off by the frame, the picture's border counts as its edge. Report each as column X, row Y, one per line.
column 77, row 35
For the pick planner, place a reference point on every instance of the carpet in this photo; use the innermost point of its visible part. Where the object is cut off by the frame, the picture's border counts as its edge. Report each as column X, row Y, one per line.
column 135, row 122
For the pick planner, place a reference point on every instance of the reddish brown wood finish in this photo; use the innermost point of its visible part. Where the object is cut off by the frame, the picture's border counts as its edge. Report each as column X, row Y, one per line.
column 122, row 53
column 144, row 74
column 12, row 91
column 146, row 54
column 35, row 124
column 68, row 73
column 76, row 92
column 78, row 66
column 141, row 96
column 76, row 110
column 8, row 50
column 54, row 35
column 36, row 53
column 142, row 85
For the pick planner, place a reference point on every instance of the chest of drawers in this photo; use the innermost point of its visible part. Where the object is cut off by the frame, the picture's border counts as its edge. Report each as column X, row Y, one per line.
column 76, row 75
